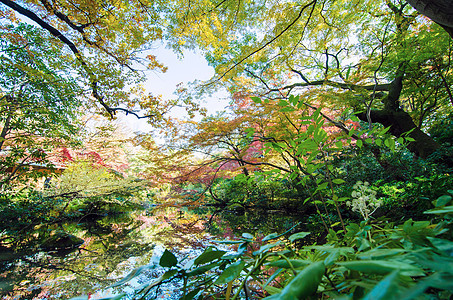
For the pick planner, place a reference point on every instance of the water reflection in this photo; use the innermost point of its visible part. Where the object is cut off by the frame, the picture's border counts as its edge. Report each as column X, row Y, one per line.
column 114, row 245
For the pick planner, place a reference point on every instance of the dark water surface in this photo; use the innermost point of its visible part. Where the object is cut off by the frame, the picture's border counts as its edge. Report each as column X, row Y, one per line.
column 115, row 245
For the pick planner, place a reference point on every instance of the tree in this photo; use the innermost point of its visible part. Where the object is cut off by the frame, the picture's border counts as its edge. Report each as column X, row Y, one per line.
column 38, row 99
column 440, row 11
column 106, row 44
column 376, row 58
column 87, row 179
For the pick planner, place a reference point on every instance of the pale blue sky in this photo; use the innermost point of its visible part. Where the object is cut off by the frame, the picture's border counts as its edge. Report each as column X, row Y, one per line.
column 191, row 67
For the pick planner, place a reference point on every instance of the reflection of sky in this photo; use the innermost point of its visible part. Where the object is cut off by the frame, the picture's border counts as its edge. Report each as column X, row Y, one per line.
column 185, row 69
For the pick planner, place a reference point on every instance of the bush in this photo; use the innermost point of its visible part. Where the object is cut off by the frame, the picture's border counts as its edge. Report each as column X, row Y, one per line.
column 371, row 260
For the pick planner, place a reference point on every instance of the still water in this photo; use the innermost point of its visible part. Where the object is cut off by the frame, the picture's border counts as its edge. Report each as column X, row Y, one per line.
column 114, row 245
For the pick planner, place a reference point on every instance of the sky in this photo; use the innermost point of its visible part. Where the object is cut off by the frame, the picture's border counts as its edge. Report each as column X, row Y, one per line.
column 191, row 67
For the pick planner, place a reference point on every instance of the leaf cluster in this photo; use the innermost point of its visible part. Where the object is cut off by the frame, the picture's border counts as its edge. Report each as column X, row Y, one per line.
column 377, row 260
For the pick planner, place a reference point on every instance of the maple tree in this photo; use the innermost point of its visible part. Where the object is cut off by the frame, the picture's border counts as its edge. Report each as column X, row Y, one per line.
column 38, row 99
column 377, row 58
column 107, row 45
column 96, row 184
column 251, row 141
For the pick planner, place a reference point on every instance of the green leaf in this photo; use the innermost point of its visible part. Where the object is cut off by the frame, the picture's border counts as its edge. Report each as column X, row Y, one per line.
column 378, row 142
column 437, row 263
column 271, row 236
column 287, row 109
column 331, row 258
column 329, row 249
column 390, row 143
column 165, row 276
column 243, row 247
column 294, row 99
column 283, row 263
column 348, row 72
column 338, row 181
column 272, row 277
column 443, row 245
column 203, row 269
column 298, row 236
column 442, row 200
column 250, row 132
column 247, row 235
column 385, row 289
column 228, row 242
column 256, row 100
column 231, row 273
column 443, row 210
column 354, row 118
column 322, row 186
column 383, row 131
column 382, row 267
column 273, row 297
column 168, row 259
column 377, row 253
column 359, row 143
column 208, row 256
column 422, row 285
column 304, row 284
column 283, row 103
column 190, row 295
column 272, row 290
column 266, row 247
column 275, row 235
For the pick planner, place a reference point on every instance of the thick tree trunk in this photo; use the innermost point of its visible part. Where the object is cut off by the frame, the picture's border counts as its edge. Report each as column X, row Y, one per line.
column 440, row 11
column 401, row 122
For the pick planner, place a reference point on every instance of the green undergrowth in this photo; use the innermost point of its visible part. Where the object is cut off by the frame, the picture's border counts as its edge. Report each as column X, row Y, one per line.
column 372, row 259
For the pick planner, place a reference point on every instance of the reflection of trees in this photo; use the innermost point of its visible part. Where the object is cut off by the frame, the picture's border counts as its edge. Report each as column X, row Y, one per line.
column 109, row 243
column 230, row 224
column 261, row 221
column 179, row 229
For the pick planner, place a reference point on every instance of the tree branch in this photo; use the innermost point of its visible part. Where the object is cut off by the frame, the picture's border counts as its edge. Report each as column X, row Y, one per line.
column 56, row 33
column 270, row 41
column 348, row 86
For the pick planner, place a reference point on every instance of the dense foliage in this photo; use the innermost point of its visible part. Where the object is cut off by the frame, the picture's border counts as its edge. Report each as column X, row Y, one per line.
column 370, row 260
column 340, row 117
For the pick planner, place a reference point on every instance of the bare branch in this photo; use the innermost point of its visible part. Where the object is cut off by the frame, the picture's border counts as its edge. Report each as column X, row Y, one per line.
column 270, row 41
column 348, row 86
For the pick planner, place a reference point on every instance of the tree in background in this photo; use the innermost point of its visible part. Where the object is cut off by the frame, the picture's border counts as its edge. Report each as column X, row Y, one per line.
column 107, row 44
column 440, row 11
column 381, row 60
column 39, row 102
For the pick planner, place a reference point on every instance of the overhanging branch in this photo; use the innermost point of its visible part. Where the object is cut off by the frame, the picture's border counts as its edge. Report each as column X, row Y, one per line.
column 271, row 40
column 56, row 33
column 378, row 88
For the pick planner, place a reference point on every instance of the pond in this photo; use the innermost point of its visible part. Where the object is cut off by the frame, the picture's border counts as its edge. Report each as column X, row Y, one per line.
column 114, row 245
